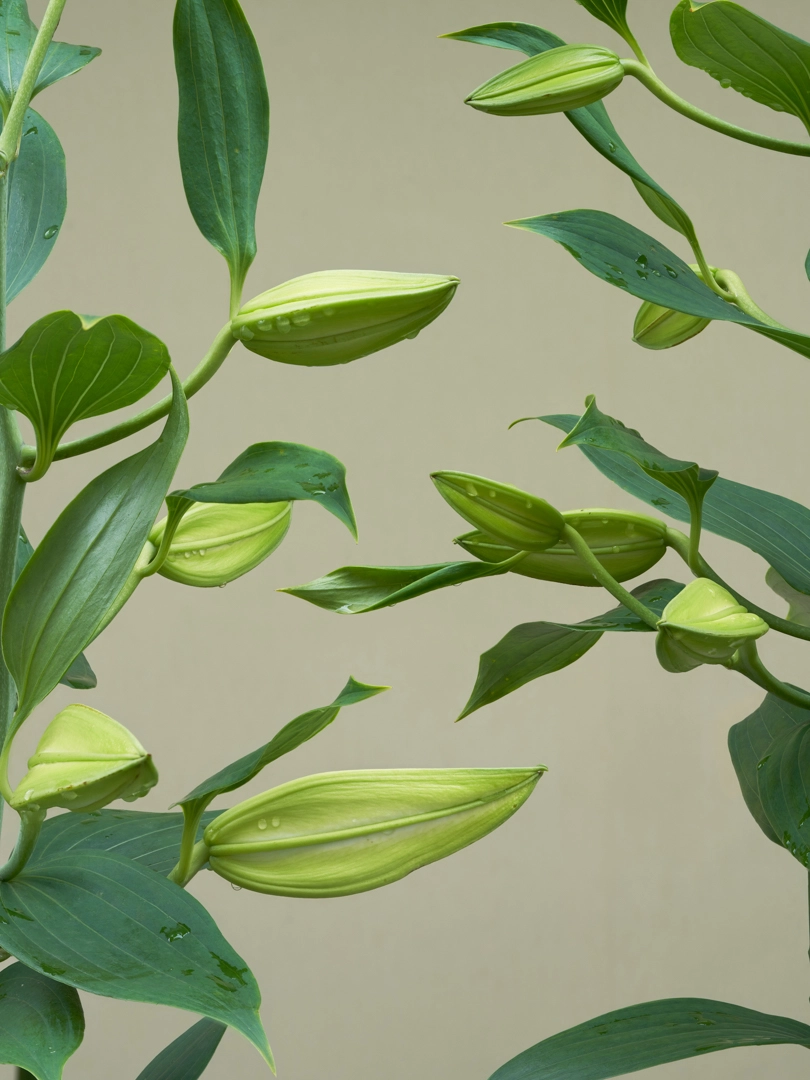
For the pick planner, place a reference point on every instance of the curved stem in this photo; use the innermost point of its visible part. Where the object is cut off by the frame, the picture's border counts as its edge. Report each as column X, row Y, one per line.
column 696, row 520
column 738, row 293
column 30, row 825
column 648, row 78
column 606, row 580
column 184, row 872
column 707, row 273
column 748, row 662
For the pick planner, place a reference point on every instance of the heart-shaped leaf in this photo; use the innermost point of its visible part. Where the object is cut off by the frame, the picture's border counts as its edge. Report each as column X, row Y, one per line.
column 188, row 1056
column 41, row 1022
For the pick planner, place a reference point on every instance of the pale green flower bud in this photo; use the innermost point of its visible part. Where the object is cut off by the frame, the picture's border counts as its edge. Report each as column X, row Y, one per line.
column 659, row 327
column 523, row 521
column 554, row 81
column 84, row 761
column 704, row 624
column 626, row 544
column 346, row 832
column 218, row 542
column 334, row 316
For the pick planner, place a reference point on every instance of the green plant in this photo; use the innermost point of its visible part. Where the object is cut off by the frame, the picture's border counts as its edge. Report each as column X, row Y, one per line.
column 707, row 621
column 93, row 898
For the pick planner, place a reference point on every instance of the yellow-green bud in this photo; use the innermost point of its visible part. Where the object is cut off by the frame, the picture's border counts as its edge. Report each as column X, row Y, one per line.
column 554, row 81
column 659, row 327
column 523, row 521
column 335, row 316
column 704, row 624
column 346, row 832
column 218, row 542
column 626, row 544
column 84, row 761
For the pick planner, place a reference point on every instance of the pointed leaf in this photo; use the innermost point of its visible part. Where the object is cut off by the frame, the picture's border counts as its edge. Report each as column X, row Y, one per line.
column 783, row 782
column 799, row 602
column 188, row 1056
column 105, row 924
column 41, row 1022
column 611, row 12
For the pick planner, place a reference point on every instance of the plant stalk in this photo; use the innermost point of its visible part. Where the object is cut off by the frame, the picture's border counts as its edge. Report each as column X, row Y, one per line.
column 191, row 865
column 30, row 825
column 748, row 662
column 606, row 579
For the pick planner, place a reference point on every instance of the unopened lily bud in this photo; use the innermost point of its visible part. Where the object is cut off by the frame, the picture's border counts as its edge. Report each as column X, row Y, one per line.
column 335, row 316
column 218, row 542
column 84, row 761
column 523, row 521
column 626, row 544
column 554, row 81
column 659, row 327
column 704, row 624
column 346, row 832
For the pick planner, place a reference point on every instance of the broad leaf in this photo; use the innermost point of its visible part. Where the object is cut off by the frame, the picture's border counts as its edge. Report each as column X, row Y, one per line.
column 188, row 1056
column 37, row 202
column 278, row 472
column 649, row 1034
column 628, row 258
column 783, row 780
column 71, row 582
column 223, row 125
column 749, row 742
column 102, row 923
column 68, row 367
column 743, row 51
column 41, row 1022
column 531, row 650
column 776, row 528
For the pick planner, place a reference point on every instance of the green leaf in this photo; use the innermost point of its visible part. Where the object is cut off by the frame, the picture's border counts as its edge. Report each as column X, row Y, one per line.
column 611, row 12
column 37, row 202
column 278, row 472
column 188, row 1056
column 799, row 602
column 783, row 781
column 105, row 924
column 223, row 125
column 776, row 528
column 531, row 650
column 749, row 742
column 41, row 1022
column 743, row 51
column 71, row 582
column 628, row 258
column 68, row 367
column 592, row 122
column 648, row 1034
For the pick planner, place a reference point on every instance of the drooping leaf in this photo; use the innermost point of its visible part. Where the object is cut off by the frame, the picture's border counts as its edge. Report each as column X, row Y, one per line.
column 745, row 52
column 41, row 1022
column 68, row 367
column 223, row 125
column 776, row 528
column 188, row 1056
column 531, row 650
column 799, row 602
column 105, row 924
column 783, row 781
column 72, row 580
column 611, row 12
column 749, row 742
column 652, row 1033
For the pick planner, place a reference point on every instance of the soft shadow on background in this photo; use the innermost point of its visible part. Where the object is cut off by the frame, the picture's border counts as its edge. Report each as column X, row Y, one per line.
column 635, row 871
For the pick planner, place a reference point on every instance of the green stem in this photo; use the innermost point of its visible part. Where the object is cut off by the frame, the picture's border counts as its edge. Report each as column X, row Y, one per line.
column 648, row 78
column 30, row 825
column 738, row 293
column 748, row 662
column 606, row 580
column 695, row 523
column 195, row 859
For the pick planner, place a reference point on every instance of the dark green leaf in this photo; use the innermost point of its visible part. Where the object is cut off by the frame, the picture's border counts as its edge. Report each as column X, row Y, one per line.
column 783, row 782
column 37, row 202
column 188, row 1056
column 611, row 12
column 41, row 1022
column 72, row 580
column 776, row 528
column 278, row 472
column 652, row 1033
column 743, row 51
column 105, row 924
column 223, row 125
column 67, row 367
column 531, row 650
column 798, row 602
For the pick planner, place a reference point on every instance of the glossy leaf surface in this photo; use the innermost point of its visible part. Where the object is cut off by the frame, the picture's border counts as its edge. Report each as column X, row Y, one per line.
column 41, row 1022
column 107, row 925
column 188, row 1056
column 745, row 52
column 648, row 1034
column 223, row 124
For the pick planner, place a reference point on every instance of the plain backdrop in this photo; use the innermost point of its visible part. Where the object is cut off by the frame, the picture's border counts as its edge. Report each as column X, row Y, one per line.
column 635, row 871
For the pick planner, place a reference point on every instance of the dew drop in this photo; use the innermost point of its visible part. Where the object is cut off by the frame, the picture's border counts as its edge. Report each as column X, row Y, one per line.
column 236, row 888
column 246, row 333
column 50, row 232
column 222, row 586
column 32, row 131
column 28, row 794
column 642, row 259
column 283, row 324
column 261, row 824
column 275, row 822
column 301, row 319
column 410, row 337
column 70, row 795
column 471, row 489
column 612, row 147
column 187, row 554
column 672, row 273
column 329, row 311
column 493, row 494
column 201, row 551
column 725, row 83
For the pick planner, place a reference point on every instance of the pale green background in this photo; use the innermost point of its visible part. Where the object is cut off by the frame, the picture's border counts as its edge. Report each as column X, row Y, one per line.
column 634, row 872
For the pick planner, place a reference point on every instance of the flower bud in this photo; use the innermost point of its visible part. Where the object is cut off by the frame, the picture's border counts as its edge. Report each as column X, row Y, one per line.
column 346, row 832
column 84, row 761
column 626, row 544
column 218, row 542
column 659, row 327
column 554, row 81
column 704, row 624
column 334, row 316
column 503, row 512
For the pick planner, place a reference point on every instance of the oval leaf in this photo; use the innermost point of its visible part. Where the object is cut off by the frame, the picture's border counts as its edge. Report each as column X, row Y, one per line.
column 188, row 1056
column 41, row 1022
